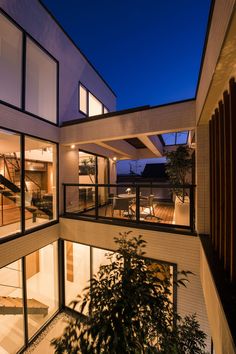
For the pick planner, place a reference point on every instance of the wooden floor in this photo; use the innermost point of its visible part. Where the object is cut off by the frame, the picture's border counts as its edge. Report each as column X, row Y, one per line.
column 164, row 213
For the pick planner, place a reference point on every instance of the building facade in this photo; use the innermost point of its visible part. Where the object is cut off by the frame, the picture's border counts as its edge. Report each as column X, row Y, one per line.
column 58, row 177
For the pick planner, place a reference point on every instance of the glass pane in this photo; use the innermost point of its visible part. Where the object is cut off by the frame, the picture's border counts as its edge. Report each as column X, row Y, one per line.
column 105, row 110
column 41, row 83
column 40, row 182
column 87, row 168
column 99, row 258
column 10, row 177
column 11, row 308
column 169, row 138
column 42, row 286
column 77, row 269
column 102, row 166
column 10, row 62
column 182, row 137
column 82, row 99
column 156, row 204
column 95, row 106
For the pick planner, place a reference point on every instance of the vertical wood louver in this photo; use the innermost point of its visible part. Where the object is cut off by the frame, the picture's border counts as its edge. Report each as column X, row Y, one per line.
column 222, row 128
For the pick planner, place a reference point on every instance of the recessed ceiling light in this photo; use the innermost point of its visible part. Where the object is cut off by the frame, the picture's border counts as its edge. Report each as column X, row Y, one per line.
column 72, row 146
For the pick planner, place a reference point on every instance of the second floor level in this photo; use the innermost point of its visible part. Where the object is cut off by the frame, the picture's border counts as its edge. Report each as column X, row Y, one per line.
column 42, row 70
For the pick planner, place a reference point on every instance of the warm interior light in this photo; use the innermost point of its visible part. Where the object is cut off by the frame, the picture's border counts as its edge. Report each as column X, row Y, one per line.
column 72, row 146
column 114, row 158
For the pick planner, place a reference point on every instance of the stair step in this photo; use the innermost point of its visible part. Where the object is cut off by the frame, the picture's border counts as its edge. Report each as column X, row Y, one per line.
column 14, row 306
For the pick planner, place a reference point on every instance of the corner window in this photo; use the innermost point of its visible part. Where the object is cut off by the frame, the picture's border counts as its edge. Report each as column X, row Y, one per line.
column 89, row 104
column 41, row 83
column 10, row 62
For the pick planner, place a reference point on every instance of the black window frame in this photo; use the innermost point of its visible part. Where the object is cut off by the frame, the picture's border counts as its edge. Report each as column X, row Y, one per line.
column 86, row 114
column 23, row 231
column 26, row 35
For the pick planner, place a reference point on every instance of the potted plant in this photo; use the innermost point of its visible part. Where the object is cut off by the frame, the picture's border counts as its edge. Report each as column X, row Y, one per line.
column 178, row 168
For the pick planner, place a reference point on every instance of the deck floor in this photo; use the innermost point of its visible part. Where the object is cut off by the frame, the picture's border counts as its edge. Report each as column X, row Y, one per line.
column 164, row 213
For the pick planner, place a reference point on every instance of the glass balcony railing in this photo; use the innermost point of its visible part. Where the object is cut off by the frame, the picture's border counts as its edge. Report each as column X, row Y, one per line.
column 153, row 204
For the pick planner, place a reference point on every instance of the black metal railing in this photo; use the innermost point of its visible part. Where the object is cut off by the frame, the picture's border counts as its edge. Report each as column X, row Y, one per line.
column 150, row 203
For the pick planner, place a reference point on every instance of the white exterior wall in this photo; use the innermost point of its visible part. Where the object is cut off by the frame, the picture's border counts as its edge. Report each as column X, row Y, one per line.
column 73, row 66
column 22, row 246
column 223, row 341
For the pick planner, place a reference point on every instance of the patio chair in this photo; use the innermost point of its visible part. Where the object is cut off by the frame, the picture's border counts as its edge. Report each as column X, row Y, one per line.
column 121, row 204
column 147, row 203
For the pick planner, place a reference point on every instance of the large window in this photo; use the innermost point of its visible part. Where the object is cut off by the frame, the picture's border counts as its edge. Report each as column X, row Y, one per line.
column 38, row 285
column 77, row 269
column 82, row 262
column 11, row 308
column 10, row 62
column 41, row 79
column 42, row 286
column 40, row 182
column 38, row 69
column 10, row 183
column 39, row 185
column 89, row 104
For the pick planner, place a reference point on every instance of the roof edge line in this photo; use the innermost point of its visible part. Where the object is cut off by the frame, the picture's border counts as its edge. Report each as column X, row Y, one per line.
column 75, row 45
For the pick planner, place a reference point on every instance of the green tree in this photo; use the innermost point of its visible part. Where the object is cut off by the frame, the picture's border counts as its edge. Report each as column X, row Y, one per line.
column 130, row 309
column 178, row 167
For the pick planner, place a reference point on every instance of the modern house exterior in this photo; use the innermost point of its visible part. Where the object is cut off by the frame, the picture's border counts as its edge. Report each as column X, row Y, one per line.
column 60, row 137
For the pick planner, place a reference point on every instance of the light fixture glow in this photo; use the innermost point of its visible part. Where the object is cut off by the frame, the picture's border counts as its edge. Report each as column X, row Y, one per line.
column 72, row 146
column 114, row 158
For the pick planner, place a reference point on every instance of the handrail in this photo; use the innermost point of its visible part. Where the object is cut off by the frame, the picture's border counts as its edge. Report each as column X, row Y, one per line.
column 73, row 208
column 157, row 185
column 11, row 286
column 31, row 179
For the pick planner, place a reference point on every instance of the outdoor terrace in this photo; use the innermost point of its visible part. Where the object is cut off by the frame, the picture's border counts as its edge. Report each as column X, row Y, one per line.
column 152, row 204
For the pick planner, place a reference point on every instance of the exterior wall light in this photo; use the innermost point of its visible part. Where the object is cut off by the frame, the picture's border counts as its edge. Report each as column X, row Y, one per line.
column 114, row 159
column 72, row 146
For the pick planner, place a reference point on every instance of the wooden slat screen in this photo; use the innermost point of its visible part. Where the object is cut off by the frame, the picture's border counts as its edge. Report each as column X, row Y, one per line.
column 222, row 140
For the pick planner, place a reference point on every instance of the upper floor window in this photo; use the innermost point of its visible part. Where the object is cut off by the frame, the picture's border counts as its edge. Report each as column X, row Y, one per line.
column 36, row 68
column 95, row 106
column 83, row 99
column 41, row 83
column 89, row 104
column 10, row 62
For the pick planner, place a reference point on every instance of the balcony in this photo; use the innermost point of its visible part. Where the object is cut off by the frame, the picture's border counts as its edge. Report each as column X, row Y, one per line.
column 152, row 205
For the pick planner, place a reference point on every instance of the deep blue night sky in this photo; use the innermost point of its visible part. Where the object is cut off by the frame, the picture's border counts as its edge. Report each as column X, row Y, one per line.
column 149, row 51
